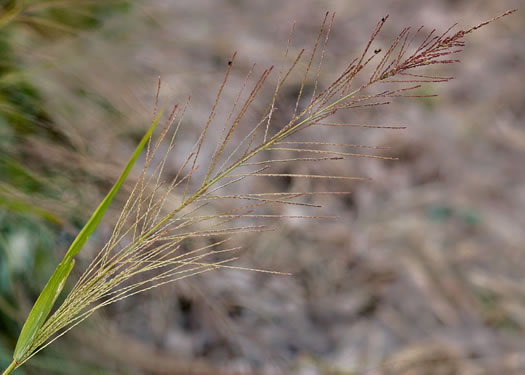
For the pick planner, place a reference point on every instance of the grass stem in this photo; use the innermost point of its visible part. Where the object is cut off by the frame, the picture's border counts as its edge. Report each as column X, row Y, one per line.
column 11, row 368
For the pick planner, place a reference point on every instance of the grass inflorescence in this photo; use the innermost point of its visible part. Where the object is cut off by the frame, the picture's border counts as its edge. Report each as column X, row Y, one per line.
column 152, row 240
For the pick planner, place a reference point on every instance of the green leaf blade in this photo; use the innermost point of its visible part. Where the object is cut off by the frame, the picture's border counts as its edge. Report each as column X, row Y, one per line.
column 54, row 286
column 93, row 222
column 42, row 308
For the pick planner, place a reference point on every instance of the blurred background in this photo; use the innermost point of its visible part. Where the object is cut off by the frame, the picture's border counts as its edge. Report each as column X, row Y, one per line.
column 421, row 274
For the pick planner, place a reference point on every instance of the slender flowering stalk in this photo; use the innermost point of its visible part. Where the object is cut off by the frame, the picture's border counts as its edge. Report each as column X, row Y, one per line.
column 155, row 242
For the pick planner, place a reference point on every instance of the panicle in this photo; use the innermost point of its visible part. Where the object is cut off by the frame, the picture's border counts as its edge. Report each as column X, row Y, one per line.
column 157, row 241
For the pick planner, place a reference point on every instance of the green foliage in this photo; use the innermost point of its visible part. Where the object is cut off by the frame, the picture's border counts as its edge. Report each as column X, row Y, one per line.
column 45, row 302
column 24, row 250
column 29, row 233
